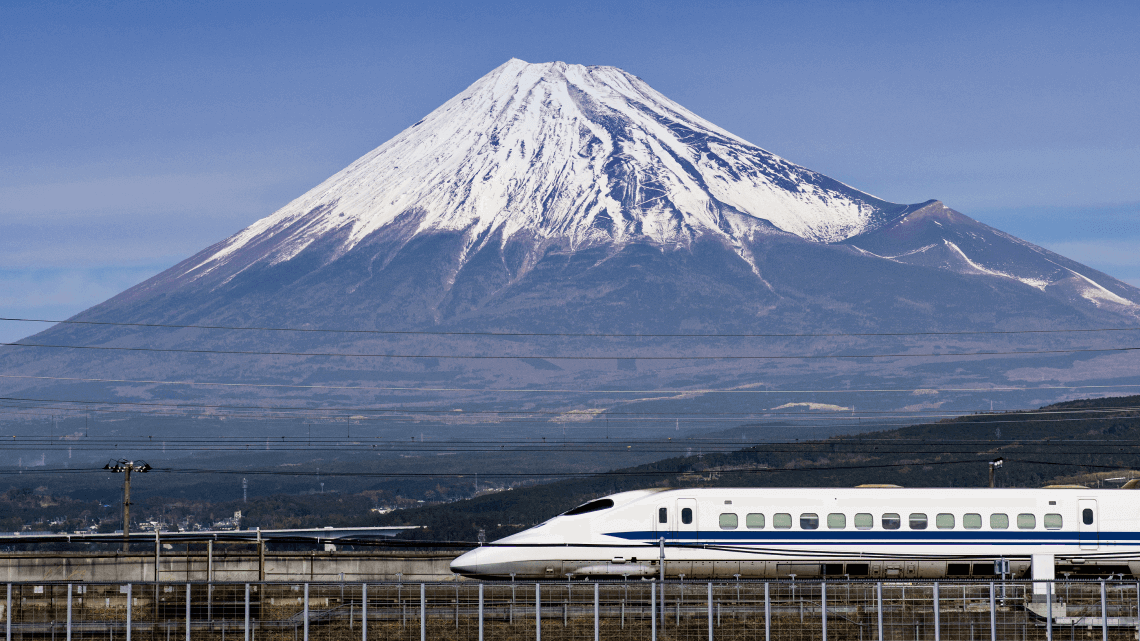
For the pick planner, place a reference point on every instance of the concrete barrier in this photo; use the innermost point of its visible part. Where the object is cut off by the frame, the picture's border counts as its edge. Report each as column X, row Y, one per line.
column 225, row 565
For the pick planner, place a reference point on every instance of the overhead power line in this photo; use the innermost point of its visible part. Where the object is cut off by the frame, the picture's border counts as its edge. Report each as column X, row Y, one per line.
column 484, row 390
column 542, row 475
column 570, row 415
column 567, row 334
column 545, row 357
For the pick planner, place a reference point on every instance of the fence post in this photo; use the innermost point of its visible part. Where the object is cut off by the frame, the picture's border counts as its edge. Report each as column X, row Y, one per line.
column 187, row 612
column 1103, row 613
column 597, row 612
column 538, row 612
column 68, row 612
column 652, row 613
column 710, row 612
column 480, row 612
column 937, row 615
column 128, row 612
column 423, row 612
column 879, row 606
column 993, row 615
column 364, row 612
column 8, row 618
column 1137, row 611
column 767, row 613
column 246, row 624
column 823, row 606
column 306, row 614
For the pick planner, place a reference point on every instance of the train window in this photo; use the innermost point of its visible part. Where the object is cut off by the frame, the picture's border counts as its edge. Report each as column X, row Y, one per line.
column 836, row 521
column 728, row 521
column 1026, row 521
column 918, row 521
column 1053, row 521
column 809, row 521
column 782, row 521
column 864, row 521
column 972, row 521
column 891, row 521
column 592, row 506
column 686, row 516
column 754, row 521
column 944, row 521
column 662, row 515
column 999, row 521
column 1087, row 516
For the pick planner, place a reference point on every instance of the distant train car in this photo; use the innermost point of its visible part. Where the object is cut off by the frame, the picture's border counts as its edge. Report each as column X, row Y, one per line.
column 881, row 532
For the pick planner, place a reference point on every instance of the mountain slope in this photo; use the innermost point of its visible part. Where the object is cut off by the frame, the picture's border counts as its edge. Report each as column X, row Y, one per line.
column 554, row 198
column 557, row 153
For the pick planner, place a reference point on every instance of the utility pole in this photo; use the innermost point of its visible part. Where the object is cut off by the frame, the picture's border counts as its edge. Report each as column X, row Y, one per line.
column 994, row 464
column 126, row 467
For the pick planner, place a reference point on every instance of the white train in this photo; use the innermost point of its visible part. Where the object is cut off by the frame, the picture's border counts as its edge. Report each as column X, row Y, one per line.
column 865, row 532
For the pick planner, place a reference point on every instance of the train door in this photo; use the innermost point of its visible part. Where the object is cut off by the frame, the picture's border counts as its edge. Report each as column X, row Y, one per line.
column 1089, row 528
column 686, row 519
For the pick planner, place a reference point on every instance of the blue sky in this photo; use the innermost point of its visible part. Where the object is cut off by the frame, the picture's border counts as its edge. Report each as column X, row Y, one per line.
column 137, row 133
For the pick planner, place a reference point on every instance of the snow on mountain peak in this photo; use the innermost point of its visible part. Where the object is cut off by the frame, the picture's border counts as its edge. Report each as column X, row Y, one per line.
column 582, row 154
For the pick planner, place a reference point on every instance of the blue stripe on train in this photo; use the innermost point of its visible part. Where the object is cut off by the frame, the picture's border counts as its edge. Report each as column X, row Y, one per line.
column 880, row 537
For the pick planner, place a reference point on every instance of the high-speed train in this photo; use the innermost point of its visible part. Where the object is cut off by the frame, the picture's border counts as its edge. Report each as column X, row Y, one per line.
column 865, row 532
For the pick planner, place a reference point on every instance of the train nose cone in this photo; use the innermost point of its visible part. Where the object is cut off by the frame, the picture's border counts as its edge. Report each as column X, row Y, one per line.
column 467, row 563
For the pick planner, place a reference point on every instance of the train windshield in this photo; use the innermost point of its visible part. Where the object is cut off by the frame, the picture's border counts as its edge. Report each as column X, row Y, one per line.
column 592, row 506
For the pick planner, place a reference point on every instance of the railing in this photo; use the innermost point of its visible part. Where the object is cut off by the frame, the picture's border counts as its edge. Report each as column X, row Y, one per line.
column 563, row 610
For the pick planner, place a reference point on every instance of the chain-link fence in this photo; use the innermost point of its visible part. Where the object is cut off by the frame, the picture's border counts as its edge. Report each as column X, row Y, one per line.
column 580, row 610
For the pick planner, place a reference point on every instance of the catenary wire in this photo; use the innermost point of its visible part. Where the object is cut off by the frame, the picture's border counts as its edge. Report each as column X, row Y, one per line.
column 547, row 357
column 568, row 334
column 535, row 475
column 574, row 391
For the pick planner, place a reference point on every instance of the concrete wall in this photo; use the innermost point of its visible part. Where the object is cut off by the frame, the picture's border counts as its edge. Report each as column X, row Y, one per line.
column 227, row 566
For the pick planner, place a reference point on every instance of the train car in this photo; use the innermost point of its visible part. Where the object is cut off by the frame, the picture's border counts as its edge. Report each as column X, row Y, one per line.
column 864, row 532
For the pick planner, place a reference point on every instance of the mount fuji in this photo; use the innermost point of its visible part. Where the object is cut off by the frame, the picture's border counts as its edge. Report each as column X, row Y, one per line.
column 562, row 200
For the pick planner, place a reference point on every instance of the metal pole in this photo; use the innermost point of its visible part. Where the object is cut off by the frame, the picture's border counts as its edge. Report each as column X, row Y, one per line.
column 306, row 613
column 1103, row 613
column 993, row 615
column 652, row 613
column 480, row 612
column 662, row 563
column 879, row 604
column 260, row 556
column 1049, row 611
column 1138, row 611
column 363, row 612
column 710, row 612
column 423, row 612
column 68, row 612
column 823, row 607
column 128, row 612
column 246, row 612
column 937, row 615
column 157, row 554
column 127, row 513
column 767, row 613
column 187, row 612
column 8, row 618
column 597, row 613
column 537, row 611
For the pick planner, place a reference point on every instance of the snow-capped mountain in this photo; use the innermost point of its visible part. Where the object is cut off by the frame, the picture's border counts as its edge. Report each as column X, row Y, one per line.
column 570, row 154
column 554, row 198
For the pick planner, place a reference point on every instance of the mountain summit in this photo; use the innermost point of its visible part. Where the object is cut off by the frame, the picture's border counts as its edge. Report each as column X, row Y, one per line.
column 565, row 201
column 565, row 154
